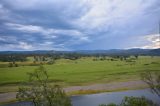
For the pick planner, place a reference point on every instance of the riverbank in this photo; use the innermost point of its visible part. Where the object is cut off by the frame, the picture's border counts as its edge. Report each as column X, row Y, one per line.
column 105, row 98
column 89, row 89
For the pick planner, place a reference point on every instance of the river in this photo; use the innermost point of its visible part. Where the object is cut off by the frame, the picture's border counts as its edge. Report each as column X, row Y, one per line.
column 102, row 98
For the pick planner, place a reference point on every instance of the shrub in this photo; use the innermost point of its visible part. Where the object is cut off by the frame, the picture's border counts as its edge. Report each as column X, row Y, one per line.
column 16, row 65
column 10, row 64
column 136, row 101
column 133, row 101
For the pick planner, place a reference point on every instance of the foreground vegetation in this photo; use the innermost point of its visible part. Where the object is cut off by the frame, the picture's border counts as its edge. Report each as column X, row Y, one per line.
column 153, row 82
column 40, row 93
column 82, row 71
column 133, row 101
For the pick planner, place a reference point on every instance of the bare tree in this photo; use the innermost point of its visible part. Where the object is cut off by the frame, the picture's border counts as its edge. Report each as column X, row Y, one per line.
column 153, row 81
column 40, row 93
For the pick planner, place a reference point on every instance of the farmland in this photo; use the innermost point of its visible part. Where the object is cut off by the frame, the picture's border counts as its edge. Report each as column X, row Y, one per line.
column 83, row 71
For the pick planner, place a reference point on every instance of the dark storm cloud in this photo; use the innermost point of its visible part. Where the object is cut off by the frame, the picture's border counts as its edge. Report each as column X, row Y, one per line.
column 77, row 24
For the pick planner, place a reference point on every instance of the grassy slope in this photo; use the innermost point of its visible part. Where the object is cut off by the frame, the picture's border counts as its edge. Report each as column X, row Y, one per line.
column 84, row 71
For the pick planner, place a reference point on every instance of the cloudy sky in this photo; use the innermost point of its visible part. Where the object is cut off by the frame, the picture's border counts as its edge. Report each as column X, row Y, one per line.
column 78, row 24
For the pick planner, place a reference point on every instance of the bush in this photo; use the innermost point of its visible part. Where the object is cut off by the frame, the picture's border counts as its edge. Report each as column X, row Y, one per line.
column 10, row 65
column 94, row 59
column 133, row 101
column 16, row 65
column 136, row 101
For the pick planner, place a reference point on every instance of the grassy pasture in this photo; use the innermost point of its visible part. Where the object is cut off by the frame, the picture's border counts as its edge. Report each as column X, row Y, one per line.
column 83, row 71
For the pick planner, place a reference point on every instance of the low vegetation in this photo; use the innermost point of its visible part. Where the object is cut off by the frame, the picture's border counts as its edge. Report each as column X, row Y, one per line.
column 153, row 81
column 71, row 70
column 84, row 70
column 133, row 101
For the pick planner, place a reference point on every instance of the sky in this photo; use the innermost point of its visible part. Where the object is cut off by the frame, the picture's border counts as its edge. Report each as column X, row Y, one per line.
column 79, row 24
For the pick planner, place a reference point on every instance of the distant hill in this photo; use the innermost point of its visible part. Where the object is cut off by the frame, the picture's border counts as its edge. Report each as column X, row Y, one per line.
column 154, row 52
column 137, row 51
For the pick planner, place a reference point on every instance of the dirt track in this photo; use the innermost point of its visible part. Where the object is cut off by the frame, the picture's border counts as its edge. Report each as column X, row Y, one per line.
column 5, row 97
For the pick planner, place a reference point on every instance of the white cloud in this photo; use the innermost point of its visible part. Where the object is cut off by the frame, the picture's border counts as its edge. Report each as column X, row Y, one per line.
column 49, row 32
column 73, row 37
column 4, row 13
column 47, row 43
column 30, row 28
column 105, row 13
column 24, row 45
column 17, row 46
column 68, row 23
column 152, row 42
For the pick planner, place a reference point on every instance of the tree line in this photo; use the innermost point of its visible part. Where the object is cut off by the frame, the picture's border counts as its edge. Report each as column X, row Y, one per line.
column 43, row 57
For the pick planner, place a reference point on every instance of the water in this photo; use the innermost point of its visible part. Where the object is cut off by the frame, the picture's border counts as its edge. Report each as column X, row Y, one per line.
column 102, row 98
column 113, row 97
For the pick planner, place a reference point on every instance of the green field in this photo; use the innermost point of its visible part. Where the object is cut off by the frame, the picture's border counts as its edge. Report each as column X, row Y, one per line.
column 83, row 71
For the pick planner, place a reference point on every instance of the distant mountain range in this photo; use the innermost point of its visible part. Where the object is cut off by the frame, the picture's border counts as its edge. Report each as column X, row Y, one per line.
column 155, row 52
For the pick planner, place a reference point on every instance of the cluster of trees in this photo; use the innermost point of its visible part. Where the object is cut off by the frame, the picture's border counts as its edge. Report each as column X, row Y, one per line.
column 73, row 56
column 55, row 56
column 45, row 57
column 50, row 58
column 38, row 59
column 126, row 58
column 12, row 58
column 12, row 64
